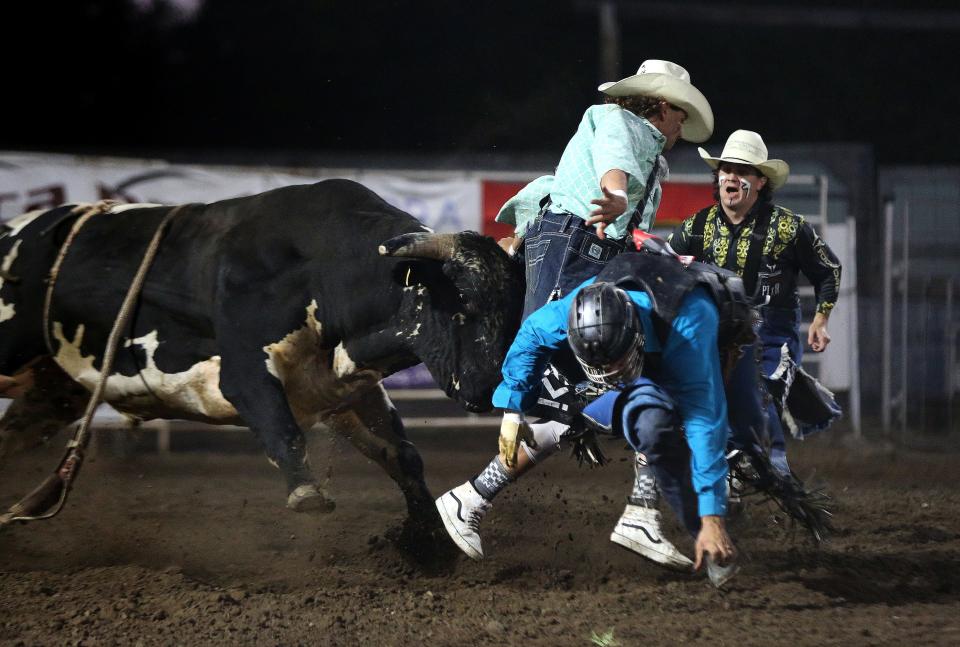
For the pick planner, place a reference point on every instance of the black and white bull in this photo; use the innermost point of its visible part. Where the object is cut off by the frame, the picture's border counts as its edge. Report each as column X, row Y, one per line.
column 275, row 311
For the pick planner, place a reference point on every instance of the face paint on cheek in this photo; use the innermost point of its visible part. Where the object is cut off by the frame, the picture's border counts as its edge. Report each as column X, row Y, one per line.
column 745, row 187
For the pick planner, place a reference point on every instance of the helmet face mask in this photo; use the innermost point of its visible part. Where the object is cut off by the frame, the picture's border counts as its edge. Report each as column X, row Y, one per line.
column 605, row 335
column 620, row 373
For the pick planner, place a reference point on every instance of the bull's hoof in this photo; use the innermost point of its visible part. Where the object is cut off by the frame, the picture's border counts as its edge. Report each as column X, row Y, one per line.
column 425, row 544
column 310, row 498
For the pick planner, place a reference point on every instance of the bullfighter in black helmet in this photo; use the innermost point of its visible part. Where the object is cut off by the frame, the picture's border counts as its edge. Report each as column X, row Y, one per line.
column 641, row 304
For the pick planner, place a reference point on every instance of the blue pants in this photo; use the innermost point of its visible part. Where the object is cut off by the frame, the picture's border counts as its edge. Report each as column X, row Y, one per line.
column 648, row 419
column 561, row 251
column 751, row 422
column 779, row 327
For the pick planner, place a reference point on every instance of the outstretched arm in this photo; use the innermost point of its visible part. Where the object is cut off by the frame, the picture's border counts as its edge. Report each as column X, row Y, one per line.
column 821, row 266
column 611, row 206
column 692, row 374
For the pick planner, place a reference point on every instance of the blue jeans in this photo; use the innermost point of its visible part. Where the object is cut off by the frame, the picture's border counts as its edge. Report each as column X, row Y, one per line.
column 648, row 419
column 779, row 326
column 752, row 423
column 561, row 252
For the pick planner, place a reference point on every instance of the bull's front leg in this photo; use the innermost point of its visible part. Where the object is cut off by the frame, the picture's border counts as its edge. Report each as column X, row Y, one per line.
column 260, row 400
column 374, row 427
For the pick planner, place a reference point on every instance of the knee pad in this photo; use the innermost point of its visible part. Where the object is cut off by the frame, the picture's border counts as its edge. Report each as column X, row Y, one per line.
column 547, row 436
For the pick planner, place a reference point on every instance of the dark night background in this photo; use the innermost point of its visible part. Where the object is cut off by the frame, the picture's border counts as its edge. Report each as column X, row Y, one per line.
column 457, row 78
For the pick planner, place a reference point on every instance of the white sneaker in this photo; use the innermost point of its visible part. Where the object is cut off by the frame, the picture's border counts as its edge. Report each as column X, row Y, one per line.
column 462, row 509
column 639, row 531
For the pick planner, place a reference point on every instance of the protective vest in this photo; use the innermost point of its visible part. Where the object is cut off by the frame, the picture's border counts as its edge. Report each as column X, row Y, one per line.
column 667, row 281
column 701, row 242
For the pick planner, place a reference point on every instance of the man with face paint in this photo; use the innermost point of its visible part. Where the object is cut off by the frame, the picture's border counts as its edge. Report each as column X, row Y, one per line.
column 768, row 246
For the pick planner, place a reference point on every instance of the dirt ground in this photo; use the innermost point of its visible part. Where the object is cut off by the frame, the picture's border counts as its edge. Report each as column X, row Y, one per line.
column 196, row 548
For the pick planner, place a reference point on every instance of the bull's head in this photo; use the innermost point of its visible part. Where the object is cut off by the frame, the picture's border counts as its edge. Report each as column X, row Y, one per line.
column 461, row 313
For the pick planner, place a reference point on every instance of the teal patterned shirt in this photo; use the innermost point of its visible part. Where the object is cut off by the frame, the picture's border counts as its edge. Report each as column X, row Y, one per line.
column 608, row 137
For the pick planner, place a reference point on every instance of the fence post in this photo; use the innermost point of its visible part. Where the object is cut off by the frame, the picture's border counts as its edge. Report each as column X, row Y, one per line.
column 854, row 348
column 887, row 344
column 905, row 320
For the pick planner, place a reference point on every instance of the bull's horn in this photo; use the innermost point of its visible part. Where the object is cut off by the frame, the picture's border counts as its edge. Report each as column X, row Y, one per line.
column 421, row 245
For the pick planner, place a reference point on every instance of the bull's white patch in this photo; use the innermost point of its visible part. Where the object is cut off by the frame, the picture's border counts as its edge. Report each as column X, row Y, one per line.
column 120, row 208
column 342, row 364
column 194, row 392
column 8, row 310
column 314, row 381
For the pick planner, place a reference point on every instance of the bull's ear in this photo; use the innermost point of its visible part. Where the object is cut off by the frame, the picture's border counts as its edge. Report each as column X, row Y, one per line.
column 468, row 284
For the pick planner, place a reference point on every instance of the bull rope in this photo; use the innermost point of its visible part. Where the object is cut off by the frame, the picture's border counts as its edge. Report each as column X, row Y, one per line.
column 49, row 497
column 87, row 212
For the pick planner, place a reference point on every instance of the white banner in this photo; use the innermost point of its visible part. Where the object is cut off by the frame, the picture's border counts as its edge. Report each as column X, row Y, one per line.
column 31, row 181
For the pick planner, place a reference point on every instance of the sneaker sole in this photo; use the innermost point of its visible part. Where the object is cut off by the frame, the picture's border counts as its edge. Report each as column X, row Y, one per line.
column 451, row 529
column 650, row 553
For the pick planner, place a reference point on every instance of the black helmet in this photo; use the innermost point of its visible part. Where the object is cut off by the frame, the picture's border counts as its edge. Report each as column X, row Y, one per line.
column 605, row 334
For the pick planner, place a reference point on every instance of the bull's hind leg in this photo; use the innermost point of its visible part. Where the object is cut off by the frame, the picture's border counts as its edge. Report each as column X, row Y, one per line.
column 52, row 402
column 374, row 427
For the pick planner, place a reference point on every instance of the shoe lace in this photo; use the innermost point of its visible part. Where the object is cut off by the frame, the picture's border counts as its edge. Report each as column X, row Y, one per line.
column 475, row 517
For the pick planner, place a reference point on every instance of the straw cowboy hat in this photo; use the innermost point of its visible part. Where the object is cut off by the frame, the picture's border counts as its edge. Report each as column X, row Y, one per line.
column 747, row 147
column 672, row 83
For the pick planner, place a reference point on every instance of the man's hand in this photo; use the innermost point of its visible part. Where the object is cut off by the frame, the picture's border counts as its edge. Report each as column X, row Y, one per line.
column 713, row 541
column 513, row 429
column 817, row 336
column 610, row 207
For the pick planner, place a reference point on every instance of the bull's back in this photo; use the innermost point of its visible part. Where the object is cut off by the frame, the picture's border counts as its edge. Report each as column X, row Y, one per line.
column 325, row 239
column 338, row 219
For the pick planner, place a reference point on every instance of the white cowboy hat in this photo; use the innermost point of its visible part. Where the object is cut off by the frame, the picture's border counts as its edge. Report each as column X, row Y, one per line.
column 747, row 147
column 672, row 83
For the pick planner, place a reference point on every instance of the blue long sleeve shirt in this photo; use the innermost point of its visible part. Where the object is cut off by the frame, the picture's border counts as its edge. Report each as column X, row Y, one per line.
column 690, row 374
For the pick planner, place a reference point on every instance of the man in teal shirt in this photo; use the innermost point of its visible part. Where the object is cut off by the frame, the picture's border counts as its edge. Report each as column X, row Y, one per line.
column 608, row 179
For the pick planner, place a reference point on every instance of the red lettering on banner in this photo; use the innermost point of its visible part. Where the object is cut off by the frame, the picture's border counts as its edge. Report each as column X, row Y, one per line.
column 679, row 200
